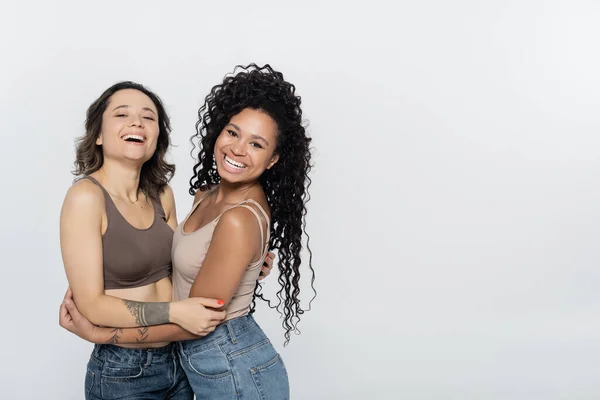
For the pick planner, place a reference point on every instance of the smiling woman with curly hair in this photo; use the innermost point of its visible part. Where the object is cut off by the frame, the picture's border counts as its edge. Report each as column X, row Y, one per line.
column 284, row 184
column 251, row 188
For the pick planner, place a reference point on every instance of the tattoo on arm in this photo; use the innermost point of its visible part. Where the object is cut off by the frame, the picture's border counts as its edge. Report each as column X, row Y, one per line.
column 148, row 314
column 143, row 332
column 114, row 339
column 135, row 309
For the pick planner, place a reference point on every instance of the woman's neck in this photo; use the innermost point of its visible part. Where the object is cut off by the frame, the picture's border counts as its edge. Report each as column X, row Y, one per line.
column 234, row 192
column 120, row 180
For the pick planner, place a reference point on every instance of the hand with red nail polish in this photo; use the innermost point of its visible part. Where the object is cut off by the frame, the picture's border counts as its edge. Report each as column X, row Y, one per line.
column 197, row 315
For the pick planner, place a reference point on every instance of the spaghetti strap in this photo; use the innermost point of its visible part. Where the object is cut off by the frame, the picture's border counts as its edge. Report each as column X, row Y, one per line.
column 264, row 243
column 262, row 210
column 260, row 225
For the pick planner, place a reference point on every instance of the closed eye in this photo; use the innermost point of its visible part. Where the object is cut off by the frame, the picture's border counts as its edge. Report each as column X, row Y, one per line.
column 150, row 118
column 120, row 115
column 255, row 144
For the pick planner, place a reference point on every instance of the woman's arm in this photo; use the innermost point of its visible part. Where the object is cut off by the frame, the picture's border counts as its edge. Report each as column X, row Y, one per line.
column 81, row 246
column 148, row 334
column 72, row 320
column 235, row 243
column 267, row 266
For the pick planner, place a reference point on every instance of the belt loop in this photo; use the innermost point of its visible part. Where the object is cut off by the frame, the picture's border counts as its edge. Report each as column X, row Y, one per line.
column 149, row 354
column 231, row 332
column 97, row 350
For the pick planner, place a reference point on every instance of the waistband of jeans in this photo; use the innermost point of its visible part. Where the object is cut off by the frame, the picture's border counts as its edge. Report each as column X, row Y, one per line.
column 237, row 326
column 128, row 355
column 231, row 330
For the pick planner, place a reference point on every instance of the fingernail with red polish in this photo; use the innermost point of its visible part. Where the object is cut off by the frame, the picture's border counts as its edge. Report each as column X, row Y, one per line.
column 220, row 302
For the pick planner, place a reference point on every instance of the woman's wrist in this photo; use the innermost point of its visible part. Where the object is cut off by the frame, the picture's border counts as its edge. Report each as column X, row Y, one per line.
column 100, row 335
column 174, row 308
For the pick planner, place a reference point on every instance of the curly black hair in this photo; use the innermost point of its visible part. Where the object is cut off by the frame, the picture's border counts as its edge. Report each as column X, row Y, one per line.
column 285, row 185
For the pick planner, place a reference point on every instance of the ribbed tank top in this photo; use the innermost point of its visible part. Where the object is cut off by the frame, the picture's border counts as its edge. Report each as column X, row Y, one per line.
column 133, row 257
column 189, row 251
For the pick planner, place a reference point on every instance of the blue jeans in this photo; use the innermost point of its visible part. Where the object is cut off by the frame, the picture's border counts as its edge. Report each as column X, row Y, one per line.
column 120, row 373
column 235, row 361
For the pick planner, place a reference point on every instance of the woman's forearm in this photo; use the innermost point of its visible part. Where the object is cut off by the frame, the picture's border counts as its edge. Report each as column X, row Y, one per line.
column 113, row 311
column 148, row 334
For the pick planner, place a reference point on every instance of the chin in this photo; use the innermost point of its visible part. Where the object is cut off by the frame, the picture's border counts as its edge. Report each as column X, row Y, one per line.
column 233, row 179
column 137, row 159
column 228, row 178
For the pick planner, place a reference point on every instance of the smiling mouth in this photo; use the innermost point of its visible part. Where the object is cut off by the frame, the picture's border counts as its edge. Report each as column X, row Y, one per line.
column 234, row 164
column 134, row 138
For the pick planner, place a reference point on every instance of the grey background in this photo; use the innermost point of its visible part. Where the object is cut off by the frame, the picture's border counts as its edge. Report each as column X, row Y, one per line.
column 454, row 219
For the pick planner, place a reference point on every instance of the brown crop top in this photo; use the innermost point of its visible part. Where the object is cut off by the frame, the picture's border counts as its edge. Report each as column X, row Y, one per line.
column 134, row 257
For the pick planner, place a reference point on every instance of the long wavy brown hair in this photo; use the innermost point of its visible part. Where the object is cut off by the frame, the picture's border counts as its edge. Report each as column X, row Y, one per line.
column 156, row 172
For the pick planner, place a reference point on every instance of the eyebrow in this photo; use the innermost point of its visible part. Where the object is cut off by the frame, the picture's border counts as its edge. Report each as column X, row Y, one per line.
column 257, row 137
column 126, row 106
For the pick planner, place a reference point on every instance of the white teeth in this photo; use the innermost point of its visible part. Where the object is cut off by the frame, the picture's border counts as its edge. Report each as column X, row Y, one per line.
column 137, row 137
column 234, row 163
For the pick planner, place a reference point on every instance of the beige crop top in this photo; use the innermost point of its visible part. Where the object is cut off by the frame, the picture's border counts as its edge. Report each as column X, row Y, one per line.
column 189, row 250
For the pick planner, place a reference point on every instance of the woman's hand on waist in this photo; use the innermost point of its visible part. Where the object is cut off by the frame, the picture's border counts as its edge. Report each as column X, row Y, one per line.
column 198, row 315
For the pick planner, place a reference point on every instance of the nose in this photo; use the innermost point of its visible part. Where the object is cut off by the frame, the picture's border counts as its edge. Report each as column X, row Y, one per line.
column 238, row 148
column 136, row 120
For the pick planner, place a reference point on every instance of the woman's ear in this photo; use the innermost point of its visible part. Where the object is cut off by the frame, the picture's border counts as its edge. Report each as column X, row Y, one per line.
column 99, row 139
column 273, row 161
